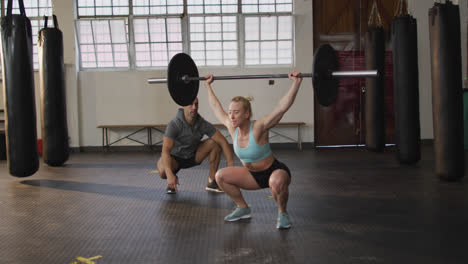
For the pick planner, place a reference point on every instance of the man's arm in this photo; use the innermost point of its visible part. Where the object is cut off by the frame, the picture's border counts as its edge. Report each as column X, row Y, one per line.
column 222, row 142
column 167, row 146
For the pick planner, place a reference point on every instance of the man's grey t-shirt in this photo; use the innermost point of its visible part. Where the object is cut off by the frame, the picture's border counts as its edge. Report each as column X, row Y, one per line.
column 186, row 137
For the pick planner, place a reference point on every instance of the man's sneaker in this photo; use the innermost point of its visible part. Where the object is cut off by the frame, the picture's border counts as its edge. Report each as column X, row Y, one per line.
column 170, row 190
column 237, row 214
column 283, row 221
column 213, row 187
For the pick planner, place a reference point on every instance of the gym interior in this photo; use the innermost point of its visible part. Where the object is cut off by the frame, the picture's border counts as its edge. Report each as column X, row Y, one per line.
column 377, row 176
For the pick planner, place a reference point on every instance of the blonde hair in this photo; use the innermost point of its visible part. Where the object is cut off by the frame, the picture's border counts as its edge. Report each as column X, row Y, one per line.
column 245, row 103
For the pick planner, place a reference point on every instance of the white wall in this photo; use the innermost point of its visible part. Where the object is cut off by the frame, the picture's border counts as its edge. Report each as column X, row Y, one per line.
column 95, row 98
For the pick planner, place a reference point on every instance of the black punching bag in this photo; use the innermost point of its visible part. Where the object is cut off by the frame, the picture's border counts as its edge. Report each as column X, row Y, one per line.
column 55, row 148
column 406, row 89
column 18, row 83
column 447, row 92
column 375, row 89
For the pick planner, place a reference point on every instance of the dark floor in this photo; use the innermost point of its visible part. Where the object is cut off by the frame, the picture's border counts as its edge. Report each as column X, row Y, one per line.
column 346, row 205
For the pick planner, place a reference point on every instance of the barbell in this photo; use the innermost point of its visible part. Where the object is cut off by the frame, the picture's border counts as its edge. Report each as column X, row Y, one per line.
column 183, row 80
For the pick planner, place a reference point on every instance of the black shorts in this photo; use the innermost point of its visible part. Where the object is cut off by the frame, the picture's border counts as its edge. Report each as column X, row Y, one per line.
column 184, row 163
column 262, row 177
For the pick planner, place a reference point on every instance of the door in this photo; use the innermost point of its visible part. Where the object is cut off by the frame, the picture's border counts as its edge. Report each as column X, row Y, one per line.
column 343, row 25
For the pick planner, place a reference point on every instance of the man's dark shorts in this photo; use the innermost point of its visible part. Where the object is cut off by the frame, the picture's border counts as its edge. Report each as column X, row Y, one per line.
column 184, row 163
column 262, row 177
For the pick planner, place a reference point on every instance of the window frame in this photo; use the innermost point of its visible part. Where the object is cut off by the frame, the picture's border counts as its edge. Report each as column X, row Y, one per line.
column 111, row 43
column 185, row 36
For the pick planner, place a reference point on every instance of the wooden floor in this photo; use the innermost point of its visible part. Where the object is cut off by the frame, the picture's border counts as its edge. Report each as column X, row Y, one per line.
column 346, row 205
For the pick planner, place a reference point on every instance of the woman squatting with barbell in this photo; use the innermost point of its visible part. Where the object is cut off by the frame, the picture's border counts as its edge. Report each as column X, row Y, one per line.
column 250, row 140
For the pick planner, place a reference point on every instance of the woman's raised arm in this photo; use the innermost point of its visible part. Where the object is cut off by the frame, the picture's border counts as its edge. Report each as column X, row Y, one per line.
column 283, row 105
column 215, row 104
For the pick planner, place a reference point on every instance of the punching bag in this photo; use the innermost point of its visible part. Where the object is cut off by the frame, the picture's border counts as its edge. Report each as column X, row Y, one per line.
column 18, row 83
column 447, row 92
column 375, row 89
column 406, row 89
column 55, row 148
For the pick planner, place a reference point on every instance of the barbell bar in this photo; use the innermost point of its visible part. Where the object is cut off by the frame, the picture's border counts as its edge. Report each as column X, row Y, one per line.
column 183, row 79
column 338, row 74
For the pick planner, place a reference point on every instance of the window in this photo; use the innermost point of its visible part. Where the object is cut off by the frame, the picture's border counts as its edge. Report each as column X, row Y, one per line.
column 157, row 40
column 147, row 33
column 35, row 10
column 213, row 40
column 103, row 43
column 268, row 40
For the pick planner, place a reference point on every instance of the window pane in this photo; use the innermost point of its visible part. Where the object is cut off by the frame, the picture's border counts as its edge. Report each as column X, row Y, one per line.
column 86, row 11
column 120, row 10
column 142, row 55
column 197, row 46
column 101, row 31
column 252, row 53
column 159, row 55
column 275, row 43
column 104, row 55
column 102, row 7
column 211, row 6
column 119, row 34
column 120, row 55
column 87, row 53
column 284, row 8
column 199, row 57
column 252, row 28
column 285, row 27
column 268, row 28
column 175, row 48
column 174, row 30
column 268, row 52
column 85, row 32
column 209, row 38
column 103, row 43
column 266, row 6
column 285, row 52
column 213, row 46
column 157, row 7
column 140, row 30
column 230, row 53
column 157, row 30
column 158, row 39
column 138, row 10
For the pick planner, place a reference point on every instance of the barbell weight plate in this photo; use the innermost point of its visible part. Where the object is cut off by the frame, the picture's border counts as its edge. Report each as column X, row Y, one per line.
column 183, row 93
column 325, row 86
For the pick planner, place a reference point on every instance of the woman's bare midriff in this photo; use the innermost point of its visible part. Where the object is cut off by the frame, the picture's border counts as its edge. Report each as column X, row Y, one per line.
column 260, row 165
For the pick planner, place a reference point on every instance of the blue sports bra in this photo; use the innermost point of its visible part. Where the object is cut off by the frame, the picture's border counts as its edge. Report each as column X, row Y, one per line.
column 253, row 152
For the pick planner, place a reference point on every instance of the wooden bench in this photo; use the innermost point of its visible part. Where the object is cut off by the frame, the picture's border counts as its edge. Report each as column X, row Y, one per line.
column 160, row 128
column 148, row 128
